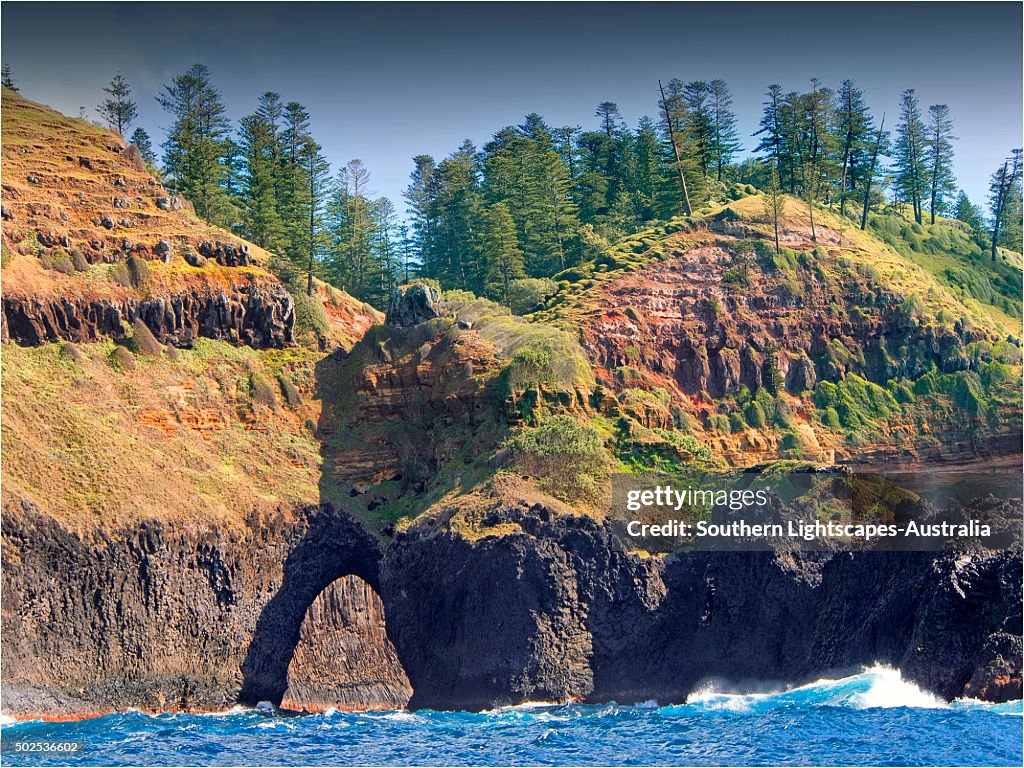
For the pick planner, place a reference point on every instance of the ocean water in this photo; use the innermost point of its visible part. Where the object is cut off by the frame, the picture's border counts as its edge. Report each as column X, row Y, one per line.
column 873, row 718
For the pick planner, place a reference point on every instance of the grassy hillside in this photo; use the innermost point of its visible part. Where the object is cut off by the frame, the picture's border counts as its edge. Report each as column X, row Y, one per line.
column 104, row 432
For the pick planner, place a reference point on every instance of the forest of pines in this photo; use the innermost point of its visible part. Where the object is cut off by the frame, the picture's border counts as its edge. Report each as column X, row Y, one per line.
column 502, row 219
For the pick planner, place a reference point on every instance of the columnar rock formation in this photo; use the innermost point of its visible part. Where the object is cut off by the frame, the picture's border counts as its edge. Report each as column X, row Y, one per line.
column 343, row 658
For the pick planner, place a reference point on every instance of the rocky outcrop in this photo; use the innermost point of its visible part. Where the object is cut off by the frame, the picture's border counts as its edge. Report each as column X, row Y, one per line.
column 680, row 321
column 260, row 316
column 413, row 304
column 529, row 605
column 166, row 615
column 560, row 611
column 343, row 658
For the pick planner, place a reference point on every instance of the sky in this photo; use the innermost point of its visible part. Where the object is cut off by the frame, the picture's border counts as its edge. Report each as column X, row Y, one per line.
column 386, row 81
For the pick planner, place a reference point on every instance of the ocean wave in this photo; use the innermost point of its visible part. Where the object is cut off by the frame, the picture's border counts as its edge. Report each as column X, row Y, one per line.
column 877, row 687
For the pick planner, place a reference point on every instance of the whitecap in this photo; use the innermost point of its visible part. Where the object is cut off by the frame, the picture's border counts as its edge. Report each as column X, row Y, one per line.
column 888, row 690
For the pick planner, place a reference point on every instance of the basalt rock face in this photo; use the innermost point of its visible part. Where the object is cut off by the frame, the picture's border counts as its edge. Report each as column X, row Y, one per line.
column 561, row 611
column 343, row 658
column 260, row 316
column 165, row 615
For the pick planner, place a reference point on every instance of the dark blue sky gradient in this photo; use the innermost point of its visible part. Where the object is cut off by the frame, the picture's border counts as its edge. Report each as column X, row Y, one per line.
column 387, row 81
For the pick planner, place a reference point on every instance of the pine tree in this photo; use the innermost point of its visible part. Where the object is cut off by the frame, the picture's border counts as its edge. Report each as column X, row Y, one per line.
column 7, row 79
column 725, row 137
column 119, row 110
column 880, row 147
column 194, row 149
column 145, row 145
column 698, row 123
column 1004, row 186
column 260, row 150
column 968, row 212
column 682, row 163
column 386, row 257
column 421, row 197
column 317, row 173
column 357, row 182
column 1014, row 212
column 641, row 171
column 608, row 111
column 292, row 184
column 911, row 169
column 771, row 128
column 853, row 131
column 939, row 157
column 501, row 250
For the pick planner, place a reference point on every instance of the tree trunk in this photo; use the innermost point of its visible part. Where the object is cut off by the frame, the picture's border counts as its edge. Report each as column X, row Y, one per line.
column 675, row 149
column 999, row 212
column 871, row 175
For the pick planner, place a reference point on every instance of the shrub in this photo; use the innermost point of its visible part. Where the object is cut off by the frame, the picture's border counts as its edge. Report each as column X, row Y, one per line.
column 719, row 422
column 59, row 261
column 78, row 260
column 830, row 418
column 857, row 402
column 138, row 271
column 913, row 307
column 737, row 277
column 261, row 390
column 868, row 271
column 529, row 294
column 566, row 456
column 755, row 415
column 736, row 421
column 291, row 394
column 72, row 352
column 143, row 340
column 122, row 358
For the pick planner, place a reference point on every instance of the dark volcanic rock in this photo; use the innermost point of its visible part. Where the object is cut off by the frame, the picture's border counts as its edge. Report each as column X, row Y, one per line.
column 165, row 616
column 412, row 305
column 251, row 314
column 562, row 612
column 226, row 254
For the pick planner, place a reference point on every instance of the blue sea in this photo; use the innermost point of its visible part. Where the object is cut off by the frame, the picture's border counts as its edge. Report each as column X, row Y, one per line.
column 873, row 718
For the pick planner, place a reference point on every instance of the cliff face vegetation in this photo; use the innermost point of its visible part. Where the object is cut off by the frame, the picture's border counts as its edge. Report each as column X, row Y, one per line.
column 92, row 241
column 219, row 489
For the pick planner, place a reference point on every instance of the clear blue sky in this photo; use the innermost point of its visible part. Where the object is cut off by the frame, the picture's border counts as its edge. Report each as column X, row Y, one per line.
column 387, row 81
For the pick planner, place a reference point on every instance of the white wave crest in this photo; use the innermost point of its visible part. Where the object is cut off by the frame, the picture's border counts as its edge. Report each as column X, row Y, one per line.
column 877, row 686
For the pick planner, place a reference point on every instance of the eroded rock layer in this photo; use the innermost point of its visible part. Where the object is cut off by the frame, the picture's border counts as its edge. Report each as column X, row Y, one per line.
column 343, row 658
column 260, row 316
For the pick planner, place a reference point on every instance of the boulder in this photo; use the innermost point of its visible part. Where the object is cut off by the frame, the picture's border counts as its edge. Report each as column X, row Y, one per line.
column 163, row 250
column 413, row 304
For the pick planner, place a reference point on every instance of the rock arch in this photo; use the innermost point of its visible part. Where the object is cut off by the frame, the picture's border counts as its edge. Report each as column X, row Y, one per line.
column 343, row 658
column 333, row 546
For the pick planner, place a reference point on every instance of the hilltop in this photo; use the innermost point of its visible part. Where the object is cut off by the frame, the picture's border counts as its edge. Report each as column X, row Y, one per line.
column 202, row 410
column 900, row 342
